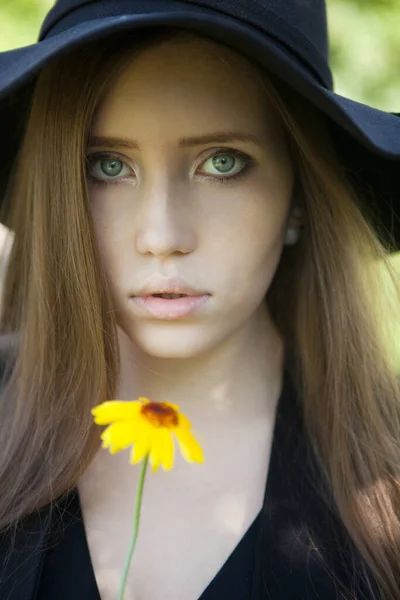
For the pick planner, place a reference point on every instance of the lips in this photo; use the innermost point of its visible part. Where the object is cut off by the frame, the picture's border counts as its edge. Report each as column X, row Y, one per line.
column 157, row 285
column 169, row 308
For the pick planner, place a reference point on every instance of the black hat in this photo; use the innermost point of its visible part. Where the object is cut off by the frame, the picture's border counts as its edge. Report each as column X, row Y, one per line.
column 288, row 37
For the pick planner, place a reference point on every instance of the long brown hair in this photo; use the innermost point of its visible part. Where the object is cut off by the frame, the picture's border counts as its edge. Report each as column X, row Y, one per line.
column 326, row 299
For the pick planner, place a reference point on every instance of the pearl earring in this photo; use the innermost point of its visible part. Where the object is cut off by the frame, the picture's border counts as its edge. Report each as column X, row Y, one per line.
column 292, row 236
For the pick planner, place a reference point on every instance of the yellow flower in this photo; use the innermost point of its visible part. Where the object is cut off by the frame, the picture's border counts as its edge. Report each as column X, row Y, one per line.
column 150, row 427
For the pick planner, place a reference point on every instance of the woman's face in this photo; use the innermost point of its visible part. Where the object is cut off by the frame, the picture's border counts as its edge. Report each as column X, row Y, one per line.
column 184, row 195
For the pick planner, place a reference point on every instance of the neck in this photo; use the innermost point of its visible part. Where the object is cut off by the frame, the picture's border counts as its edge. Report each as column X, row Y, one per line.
column 241, row 374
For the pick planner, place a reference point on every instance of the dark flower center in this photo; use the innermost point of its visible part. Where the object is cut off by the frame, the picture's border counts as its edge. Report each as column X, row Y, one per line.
column 160, row 414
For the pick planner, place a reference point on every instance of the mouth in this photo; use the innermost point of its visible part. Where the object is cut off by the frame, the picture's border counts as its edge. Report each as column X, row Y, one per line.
column 170, row 306
column 170, row 296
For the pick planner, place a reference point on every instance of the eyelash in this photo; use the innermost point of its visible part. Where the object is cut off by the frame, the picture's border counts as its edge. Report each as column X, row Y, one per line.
column 249, row 163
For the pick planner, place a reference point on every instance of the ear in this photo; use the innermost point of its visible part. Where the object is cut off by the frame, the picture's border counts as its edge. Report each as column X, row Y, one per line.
column 296, row 216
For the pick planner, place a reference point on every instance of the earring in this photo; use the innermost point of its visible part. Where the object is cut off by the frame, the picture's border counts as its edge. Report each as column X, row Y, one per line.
column 292, row 236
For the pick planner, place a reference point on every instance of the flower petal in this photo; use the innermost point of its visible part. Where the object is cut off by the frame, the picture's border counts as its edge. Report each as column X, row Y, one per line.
column 156, row 449
column 184, row 421
column 144, row 400
column 115, row 410
column 189, row 446
column 141, row 445
column 168, row 450
column 119, row 436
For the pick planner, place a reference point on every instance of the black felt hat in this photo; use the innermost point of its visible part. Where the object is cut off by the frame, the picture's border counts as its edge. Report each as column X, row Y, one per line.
column 288, row 37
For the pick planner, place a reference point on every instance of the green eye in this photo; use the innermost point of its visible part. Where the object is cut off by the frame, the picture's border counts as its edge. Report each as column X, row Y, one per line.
column 111, row 167
column 227, row 165
column 223, row 163
column 103, row 168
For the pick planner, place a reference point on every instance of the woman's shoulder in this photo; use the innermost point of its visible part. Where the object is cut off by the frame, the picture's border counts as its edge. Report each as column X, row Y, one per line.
column 23, row 546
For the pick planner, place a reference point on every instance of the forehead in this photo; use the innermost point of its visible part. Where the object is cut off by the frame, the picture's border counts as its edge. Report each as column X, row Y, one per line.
column 188, row 80
column 188, row 61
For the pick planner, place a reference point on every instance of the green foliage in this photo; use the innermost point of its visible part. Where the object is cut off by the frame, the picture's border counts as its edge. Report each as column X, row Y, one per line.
column 365, row 50
column 29, row 9
column 20, row 21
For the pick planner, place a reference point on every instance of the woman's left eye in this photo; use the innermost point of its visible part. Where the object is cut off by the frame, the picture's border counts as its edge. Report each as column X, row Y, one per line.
column 226, row 165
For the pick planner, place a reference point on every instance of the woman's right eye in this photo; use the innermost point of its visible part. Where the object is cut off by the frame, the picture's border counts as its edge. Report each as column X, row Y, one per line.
column 104, row 169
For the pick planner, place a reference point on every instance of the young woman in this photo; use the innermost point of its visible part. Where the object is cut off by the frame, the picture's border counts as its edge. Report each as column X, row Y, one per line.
column 197, row 148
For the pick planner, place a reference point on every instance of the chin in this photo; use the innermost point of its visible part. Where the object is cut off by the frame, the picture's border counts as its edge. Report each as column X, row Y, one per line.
column 185, row 341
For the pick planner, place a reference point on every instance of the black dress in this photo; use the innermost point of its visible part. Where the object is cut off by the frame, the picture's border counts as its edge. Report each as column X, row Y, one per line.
column 296, row 548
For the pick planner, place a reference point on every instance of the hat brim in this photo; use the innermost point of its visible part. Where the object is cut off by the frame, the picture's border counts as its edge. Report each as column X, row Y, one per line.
column 375, row 131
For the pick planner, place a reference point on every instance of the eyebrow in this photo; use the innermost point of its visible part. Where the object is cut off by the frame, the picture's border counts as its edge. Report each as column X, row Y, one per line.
column 116, row 143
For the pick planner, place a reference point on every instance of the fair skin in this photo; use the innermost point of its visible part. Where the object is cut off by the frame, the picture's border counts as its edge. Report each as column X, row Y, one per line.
column 167, row 212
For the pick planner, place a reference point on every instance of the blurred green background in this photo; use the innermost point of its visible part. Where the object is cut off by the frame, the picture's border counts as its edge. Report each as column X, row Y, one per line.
column 364, row 56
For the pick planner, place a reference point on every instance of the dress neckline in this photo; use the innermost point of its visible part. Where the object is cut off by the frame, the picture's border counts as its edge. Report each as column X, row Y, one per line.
column 245, row 550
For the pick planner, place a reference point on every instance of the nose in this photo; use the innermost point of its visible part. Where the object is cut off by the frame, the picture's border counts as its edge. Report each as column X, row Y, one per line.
column 164, row 223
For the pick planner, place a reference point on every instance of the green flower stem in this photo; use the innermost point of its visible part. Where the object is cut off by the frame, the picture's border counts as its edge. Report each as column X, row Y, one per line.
column 138, row 505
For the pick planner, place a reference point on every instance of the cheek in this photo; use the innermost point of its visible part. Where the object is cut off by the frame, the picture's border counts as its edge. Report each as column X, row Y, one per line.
column 109, row 229
column 245, row 246
column 250, row 230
